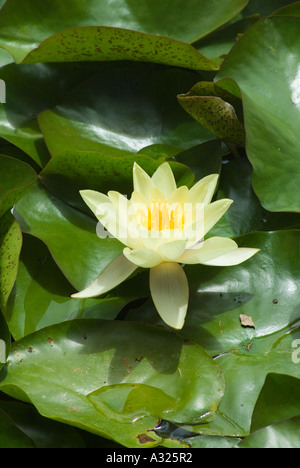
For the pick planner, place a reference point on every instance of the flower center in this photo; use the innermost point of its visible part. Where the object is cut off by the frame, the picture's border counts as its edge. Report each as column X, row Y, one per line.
column 160, row 216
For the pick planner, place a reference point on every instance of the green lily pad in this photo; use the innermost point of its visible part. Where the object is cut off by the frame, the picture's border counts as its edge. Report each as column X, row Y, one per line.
column 203, row 159
column 88, row 376
column 271, row 107
column 289, row 10
column 123, row 108
column 41, row 432
column 69, row 234
column 214, row 113
column 247, row 355
column 29, row 90
column 284, row 434
column 246, row 213
column 209, row 442
column 219, row 43
column 41, row 294
column 4, row 341
column 11, row 436
column 5, row 58
column 102, row 43
column 39, row 20
column 15, row 177
column 71, row 171
column 218, row 296
column 265, row 8
column 278, row 400
column 10, row 247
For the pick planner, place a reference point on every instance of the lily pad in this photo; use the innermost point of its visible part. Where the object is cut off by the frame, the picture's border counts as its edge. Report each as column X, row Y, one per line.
column 102, row 43
column 71, row 171
column 34, row 430
column 10, row 247
column 15, row 177
column 278, row 400
column 289, row 10
column 123, row 108
column 284, row 434
column 246, row 213
column 29, row 90
column 216, row 115
column 219, row 43
column 85, row 356
column 4, row 341
column 39, row 20
column 41, row 294
column 11, row 436
column 271, row 124
column 74, row 243
column 246, row 355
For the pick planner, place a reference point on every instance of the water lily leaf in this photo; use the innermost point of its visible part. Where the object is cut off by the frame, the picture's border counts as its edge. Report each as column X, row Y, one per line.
column 213, row 442
column 10, row 247
column 11, row 436
column 203, row 159
column 15, row 177
column 265, row 8
column 216, row 115
column 279, row 399
column 246, row 355
column 69, row 234
column 8, row 149
column 29, row 90
column 246, row 213
column 71, row 171
column 41, row 432
column 39, row 20
column 4, row 341
column 87, row 356
column 225, row 89
column 284, row 434
column 289, row 10
column 41, row 294
column 5, row 59
column 271, row 123
column 102, row 43
column 219, row 43
column 123, row 108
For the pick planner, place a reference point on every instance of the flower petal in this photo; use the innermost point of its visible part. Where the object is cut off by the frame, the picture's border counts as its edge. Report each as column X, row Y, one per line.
column 170, row 251
column 107, row 214
column 113, row 274
column 235, row 257
column 138, row 198
column 180, row 195
column 214, row 211
column 206, row 218
column 203, row 191
column 120, row 223
column 97, row 202
column 145, row 258
column 163, row 179
column 170, row 293
column 210, row 249
column 142, row 182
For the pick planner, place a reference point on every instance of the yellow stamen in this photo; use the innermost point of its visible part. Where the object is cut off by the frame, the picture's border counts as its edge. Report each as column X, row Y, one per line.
column 160, row 216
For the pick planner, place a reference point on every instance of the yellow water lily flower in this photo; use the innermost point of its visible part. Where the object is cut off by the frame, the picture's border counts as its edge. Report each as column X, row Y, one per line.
column 163, row 228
